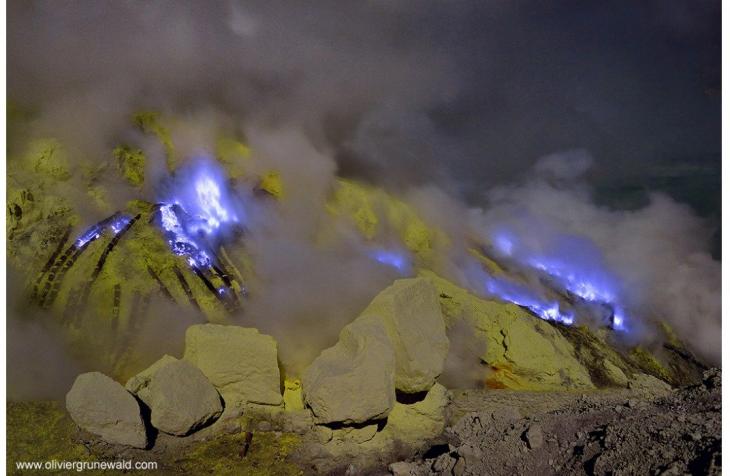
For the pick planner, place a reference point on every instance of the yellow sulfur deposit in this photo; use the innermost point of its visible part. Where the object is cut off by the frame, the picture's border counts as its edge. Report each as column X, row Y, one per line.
column 234, row 155
column 293, row 394
column 131, row 163
column 523, row 352
column 272, row 184
column 150, row 122
column 378, row 215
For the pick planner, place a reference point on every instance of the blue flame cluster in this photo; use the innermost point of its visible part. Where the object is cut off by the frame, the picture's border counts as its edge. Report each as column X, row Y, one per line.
column 117, row 223
column 521, row 295
column 568, row 263
column 198, row 211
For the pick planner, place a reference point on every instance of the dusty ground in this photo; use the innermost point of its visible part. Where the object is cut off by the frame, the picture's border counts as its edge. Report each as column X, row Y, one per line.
column 620, row 433
column 637, row 431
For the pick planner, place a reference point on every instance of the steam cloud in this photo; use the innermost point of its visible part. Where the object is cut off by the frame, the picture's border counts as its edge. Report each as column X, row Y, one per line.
column 442, row 102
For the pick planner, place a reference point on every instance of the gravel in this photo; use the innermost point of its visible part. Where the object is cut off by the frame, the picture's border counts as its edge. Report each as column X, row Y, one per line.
column 599, row 433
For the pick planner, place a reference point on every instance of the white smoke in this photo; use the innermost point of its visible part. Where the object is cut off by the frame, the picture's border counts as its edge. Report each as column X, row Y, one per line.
column 383, row 92
column 659, row 251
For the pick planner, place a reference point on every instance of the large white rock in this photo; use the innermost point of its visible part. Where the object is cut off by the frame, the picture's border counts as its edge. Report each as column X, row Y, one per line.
column 411, row 312
column 353, row 381
column 240, row 362
column 102, row 406
column 181, row 399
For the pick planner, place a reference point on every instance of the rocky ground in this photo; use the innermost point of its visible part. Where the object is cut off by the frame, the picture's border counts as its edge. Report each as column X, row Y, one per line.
column 637, row 431
column 646, row 429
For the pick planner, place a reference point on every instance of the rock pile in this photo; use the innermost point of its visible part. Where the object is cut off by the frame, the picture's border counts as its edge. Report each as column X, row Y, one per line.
column 376, row 386
column 636, row 431
column 373, row 397
column 224, row 366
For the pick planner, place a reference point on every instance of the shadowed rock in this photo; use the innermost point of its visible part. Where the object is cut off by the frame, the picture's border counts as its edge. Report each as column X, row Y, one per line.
column 102, row 406
column 181, row 399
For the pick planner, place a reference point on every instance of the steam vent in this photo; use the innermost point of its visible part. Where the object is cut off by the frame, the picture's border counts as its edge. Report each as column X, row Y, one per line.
column 277, row 253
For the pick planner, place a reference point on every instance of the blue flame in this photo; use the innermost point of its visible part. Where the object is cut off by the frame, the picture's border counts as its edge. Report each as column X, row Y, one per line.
column 198, row 211
column 116, row 224
column 180, row 242
column 90, row 234
column 395, row 259
column 569, row 263
column 523, row 296
column 119, row 223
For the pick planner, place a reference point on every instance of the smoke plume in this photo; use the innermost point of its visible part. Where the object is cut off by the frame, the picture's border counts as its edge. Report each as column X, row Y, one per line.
column 450, row 106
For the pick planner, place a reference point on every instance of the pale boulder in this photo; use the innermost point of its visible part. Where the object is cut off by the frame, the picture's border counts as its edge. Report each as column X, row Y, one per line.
column 353, row 381
column 240, row 362
column 139, row 384
column 411, row 312
column 181, row 399
column 102, row 406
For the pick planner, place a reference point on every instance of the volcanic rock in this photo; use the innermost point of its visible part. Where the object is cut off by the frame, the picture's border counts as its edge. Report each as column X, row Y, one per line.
column 524, row 352
column 401, row 468
column 420, row 421
column 353, row 381
column 649, row 385
column 615, row 374
column 181, row 399
column 411, row 312
column 398, row 342
column 139, row 384
column 355, row 434
column 240, row 362
column 534, row 436
column 102, row 406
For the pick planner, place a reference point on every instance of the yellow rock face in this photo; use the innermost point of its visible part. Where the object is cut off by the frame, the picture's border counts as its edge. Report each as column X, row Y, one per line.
column 150, row 122
column 293, row 394
column 421, row 420
column 378, row 215
column 131, row 164
column 522, row 351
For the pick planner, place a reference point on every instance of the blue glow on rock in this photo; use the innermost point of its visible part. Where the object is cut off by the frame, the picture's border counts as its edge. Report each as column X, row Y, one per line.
column 523, row 296
column 178, row 239
column 568, row 263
